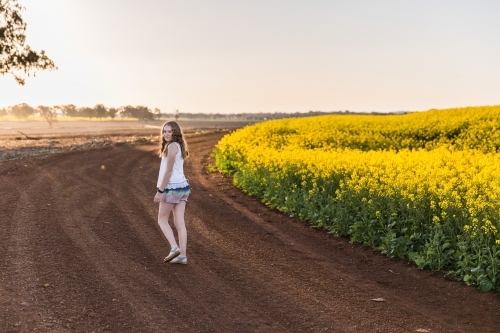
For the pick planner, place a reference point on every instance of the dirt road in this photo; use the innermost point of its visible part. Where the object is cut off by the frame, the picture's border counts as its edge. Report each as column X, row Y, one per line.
column 80, row 251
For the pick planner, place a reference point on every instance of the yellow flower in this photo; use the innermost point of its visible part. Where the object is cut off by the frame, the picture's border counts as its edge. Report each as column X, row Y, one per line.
column 402, row 163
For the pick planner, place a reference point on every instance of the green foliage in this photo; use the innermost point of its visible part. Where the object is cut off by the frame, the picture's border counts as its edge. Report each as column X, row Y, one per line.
column 15, row 56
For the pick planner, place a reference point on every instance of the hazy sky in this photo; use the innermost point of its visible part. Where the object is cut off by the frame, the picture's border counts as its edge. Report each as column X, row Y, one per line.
column 273, row 55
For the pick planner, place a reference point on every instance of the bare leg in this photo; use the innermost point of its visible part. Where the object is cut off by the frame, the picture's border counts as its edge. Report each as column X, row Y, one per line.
column 181, row 226
column 163, row 214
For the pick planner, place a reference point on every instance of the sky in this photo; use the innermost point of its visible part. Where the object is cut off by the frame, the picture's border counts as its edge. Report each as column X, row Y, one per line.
column 226, row 56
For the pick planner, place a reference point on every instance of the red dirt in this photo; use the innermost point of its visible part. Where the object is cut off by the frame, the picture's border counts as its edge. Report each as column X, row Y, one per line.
column 80, row 251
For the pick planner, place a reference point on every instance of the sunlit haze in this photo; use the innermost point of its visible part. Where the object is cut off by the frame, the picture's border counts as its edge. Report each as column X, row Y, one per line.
column 231, row 56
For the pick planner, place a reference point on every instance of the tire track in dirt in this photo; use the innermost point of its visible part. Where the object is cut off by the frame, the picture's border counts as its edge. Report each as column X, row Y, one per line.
column 91, row 234
column 20, row 254
column 110, row 256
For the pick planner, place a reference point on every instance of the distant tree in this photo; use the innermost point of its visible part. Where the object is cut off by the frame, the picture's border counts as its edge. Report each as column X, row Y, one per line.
column 100, row 111
column 112, row 112
column 128, row 111
column 3, row 112
column 48, row 113
column 176, row 115
column 146, row 113
column 15, row 56
column 22, row 111
column 139, row 112
column 158, row 113
column 87, row 112
column 69, row 110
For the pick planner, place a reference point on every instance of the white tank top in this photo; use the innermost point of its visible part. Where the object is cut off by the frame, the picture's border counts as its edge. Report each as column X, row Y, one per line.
column 177, row 180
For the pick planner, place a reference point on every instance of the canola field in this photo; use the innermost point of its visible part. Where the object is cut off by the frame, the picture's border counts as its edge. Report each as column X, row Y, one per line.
column 423, row 186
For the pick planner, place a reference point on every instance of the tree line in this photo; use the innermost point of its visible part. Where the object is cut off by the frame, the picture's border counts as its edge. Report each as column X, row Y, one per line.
column 50, row 113
column 23, row 111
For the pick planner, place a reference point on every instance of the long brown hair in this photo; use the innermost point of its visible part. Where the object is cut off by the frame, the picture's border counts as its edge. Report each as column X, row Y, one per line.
column 177, row 136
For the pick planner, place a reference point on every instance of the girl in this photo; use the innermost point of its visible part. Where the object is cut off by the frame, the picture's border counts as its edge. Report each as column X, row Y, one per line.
column 173, row 190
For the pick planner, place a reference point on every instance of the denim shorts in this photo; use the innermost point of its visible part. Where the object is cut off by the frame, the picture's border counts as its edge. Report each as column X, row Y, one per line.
column 176, row 195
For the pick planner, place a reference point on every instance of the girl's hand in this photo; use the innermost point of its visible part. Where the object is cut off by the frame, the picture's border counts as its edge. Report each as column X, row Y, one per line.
column 157, row 197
